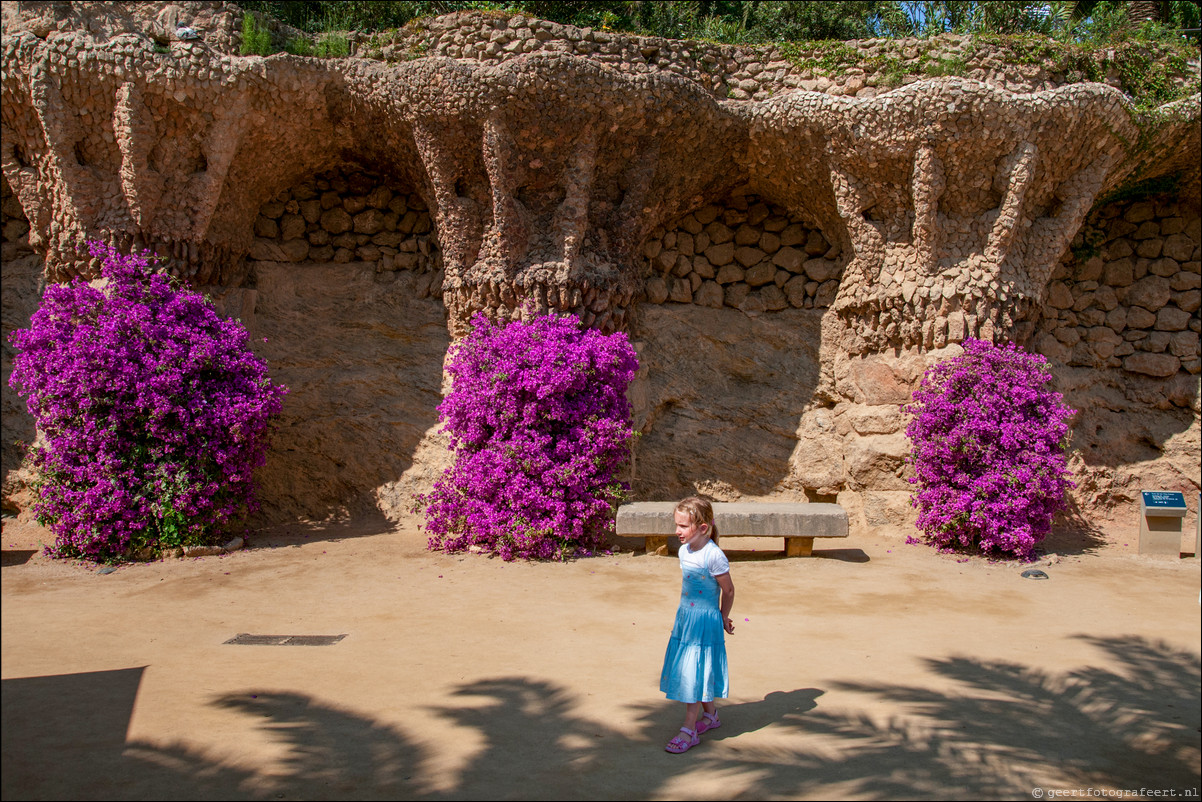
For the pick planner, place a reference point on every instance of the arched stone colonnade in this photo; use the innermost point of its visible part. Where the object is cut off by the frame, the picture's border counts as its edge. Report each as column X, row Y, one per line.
column 918, row 217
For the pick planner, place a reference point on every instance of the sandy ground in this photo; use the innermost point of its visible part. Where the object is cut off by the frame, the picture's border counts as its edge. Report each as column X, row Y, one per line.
column 874, row 670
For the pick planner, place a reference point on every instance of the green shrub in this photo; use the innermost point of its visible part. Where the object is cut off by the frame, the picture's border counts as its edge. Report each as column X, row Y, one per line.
column 256, row 38
column 332, row 45
column 300, row 46
column 940, row 67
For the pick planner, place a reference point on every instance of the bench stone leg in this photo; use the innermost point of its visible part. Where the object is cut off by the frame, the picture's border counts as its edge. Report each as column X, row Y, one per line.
column 799, row 546
column 656, row 545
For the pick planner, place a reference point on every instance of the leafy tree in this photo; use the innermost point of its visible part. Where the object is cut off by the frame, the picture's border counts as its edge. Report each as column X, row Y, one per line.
column 761, row 21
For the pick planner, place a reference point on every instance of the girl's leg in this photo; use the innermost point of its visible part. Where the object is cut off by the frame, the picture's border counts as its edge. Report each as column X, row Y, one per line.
column 709, row 720
column 687, row 738
column 691, row 711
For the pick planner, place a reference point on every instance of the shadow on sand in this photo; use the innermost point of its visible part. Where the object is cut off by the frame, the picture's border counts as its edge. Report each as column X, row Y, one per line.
column 842, row 555
column 362, row 524
column 17, row 556
column 1073, row 532
column 1130, row 720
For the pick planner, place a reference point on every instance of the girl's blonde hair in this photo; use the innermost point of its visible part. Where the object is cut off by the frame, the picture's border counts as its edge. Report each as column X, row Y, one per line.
column 699, row 512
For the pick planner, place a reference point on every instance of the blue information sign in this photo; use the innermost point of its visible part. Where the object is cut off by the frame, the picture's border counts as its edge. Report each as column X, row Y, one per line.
column 1163, row 498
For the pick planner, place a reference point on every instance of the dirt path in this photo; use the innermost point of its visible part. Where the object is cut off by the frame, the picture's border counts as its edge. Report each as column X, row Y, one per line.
column 876, row 670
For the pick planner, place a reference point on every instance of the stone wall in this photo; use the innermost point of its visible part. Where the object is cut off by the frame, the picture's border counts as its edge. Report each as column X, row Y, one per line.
column 731, row 406
column 23, row 282
column 347, row 304
column 350, row 216
column 743, row 253
column 1134, row 303
column 347, row 281
column 14, row 228
column 789, row 236
column 1125, row 296
column 730, row 398
column 861, row 69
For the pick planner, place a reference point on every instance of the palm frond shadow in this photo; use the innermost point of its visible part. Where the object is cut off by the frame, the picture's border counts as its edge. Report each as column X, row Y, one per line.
column 1129, row 719
column 521, row 718
column 327, row 752
column 1130, row 722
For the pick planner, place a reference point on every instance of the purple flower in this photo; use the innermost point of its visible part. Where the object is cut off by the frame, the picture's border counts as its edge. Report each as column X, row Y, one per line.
column 539, row 423
column 152, row 412
column 988, row 447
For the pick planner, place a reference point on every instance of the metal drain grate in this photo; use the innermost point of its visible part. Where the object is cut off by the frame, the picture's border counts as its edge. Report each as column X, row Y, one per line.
column 246, row 639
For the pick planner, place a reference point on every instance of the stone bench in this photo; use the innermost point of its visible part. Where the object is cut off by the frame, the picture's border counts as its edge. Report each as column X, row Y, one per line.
column 798, row 524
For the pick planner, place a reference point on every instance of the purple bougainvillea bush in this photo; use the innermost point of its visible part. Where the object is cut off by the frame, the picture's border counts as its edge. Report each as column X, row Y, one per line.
column 540, row 426
column 152, row 411
column 988, row 447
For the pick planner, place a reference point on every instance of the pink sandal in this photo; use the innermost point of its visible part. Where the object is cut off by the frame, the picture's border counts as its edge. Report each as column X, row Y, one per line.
column 683, row 742
column 707, row 722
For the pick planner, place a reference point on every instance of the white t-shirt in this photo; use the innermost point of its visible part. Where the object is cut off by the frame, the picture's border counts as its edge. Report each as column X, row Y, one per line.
column 708, row 560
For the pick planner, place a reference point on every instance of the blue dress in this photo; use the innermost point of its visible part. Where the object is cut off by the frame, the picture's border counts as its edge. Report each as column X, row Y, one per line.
column 695, row 662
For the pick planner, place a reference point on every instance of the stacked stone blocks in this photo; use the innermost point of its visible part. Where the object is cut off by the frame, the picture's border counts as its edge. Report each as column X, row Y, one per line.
column 1134, row 302
column 743, row 253
column 340, row 217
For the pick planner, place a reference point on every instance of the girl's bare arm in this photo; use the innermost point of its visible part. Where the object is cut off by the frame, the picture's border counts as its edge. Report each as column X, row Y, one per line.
column 727, row 586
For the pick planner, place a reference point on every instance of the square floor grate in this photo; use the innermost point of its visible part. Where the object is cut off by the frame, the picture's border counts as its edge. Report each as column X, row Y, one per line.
column 246, row 639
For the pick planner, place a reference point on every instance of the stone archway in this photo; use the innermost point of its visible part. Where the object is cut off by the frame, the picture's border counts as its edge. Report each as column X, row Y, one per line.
column 548, row 157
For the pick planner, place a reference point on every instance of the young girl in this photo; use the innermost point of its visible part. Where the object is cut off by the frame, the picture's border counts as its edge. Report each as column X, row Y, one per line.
column 695, row 663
